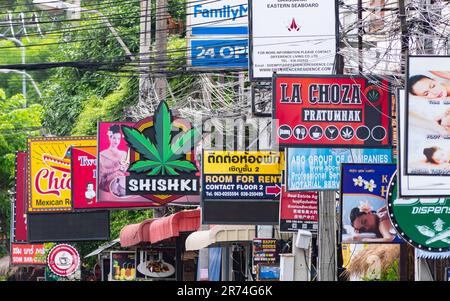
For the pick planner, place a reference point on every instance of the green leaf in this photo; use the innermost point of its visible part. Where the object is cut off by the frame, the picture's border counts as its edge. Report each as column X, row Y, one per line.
column 182, row 165
column 171, row 171
column 185, row 143
column 143, row 166
column 155, row 171
column 141, row 143
column 163, row 126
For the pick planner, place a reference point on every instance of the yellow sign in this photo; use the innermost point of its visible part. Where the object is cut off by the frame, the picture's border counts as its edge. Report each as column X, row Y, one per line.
column 49, row 172
column 243, row 162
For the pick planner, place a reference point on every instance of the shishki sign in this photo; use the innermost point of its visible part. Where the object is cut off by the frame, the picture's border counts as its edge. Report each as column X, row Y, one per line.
column 162, row 163
column 49, row 172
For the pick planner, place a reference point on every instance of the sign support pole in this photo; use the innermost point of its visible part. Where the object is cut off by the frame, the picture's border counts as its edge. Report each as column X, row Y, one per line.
column 327, row 236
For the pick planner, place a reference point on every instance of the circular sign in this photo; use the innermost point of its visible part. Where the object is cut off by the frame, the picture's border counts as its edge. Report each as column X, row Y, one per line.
column 284, row 132
column 423, row 223
column 63, row 260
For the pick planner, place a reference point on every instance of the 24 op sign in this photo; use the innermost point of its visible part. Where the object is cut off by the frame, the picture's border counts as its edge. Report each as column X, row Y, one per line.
column 162, row 163
column 331, row 111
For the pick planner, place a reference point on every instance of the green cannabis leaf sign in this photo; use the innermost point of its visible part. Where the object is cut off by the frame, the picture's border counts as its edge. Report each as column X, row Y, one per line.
column 164, row 156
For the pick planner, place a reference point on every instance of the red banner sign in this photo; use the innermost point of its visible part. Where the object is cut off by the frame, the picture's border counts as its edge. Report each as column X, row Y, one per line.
column 28, row 254
column 299, row 211
column 18, row 221
column 332, row 111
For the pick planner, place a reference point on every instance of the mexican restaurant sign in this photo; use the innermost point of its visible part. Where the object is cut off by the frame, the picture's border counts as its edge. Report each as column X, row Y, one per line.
column 49, row 184
column 242, row 174
column 422, row 222
column 331, row 111
column 162, row 161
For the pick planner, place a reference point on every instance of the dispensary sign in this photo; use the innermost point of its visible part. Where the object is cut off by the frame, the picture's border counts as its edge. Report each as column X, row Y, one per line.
column 162, row 164
column 331, row 111
column 424, row 223
column 242, row 175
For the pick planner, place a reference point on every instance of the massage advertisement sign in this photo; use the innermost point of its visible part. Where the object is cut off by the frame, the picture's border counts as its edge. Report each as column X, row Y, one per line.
column 242, row 175
column 299, row 211
column 422, row 222
column 28, row 254
column 428, row 116
column 365, row 217
column 84, row 182
column 49, row 172
column 331, row 111
column 162, row 165
column 320, row 168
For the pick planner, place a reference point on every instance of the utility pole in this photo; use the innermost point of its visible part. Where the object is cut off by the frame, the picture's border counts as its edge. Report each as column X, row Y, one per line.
column 327, row 236
column 145, row 42
column 161, row 49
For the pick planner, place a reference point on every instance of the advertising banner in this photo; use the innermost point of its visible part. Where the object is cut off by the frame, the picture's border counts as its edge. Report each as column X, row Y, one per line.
column 409, row 185
column 292, row 37
column 211, row 53
column 331, row 111
column 84, row 183
column 428, row 116
column 217, row 35
column 265, row 251
column 319, row 168
column 242, row 174
column 28, row 254
column 18, row 219
column 365, row 217
column 49, row 172
column 299, row 211
column 422, row 222
column 123, row 266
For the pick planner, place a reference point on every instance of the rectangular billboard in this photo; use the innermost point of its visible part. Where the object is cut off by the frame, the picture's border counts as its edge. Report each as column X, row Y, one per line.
column 49, row 172
column 84, row 183
column 331, row 111
column 217, row 34
column 299, row 211
column 428, row 116
column 320, row 168
column 68, row 226
column 292, row 37
column 28, row 254
column 18, row 219
column 365, row 217
column 415, row 185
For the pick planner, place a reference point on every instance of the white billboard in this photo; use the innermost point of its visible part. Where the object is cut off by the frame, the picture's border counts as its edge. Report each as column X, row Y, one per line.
column 292, row 37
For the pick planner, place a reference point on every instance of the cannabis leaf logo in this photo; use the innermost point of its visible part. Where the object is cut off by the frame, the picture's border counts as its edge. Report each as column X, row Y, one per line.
column 162, row 156
column 373, row 95
column 347, row 133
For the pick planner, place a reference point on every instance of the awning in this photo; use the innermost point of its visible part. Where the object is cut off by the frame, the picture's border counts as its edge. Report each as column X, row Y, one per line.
column 103, row 248
column 135, row 234
column 432, row 255
column 172, row 225
column 220, row 233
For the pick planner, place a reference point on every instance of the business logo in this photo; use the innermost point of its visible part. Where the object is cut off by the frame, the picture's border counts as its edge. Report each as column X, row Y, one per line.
column 63, row 260
column 293, row 26
column 162, row 158
column 424, row 223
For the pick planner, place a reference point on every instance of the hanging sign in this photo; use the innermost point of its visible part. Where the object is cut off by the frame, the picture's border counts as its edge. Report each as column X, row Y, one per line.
column 428, row 116
column 365, row 218
column 295, row 36
column 242, row 174
column 422, row 222
column 162, row 162
column 49, row 172
column 331, row 111
column 320, row 168
column 63, row 260
column 299, row 211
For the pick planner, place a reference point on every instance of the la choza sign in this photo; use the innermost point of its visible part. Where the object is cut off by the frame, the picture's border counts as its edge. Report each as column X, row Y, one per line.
column 162, row 163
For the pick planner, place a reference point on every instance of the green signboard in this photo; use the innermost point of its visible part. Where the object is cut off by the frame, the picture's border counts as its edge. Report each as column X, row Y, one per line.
column 422, row 222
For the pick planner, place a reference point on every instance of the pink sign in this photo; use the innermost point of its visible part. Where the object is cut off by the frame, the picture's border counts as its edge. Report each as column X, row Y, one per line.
column 298, row 211
column 27, row 254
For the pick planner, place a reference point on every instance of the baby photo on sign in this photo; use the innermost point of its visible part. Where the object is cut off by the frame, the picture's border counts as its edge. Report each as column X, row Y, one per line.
column 428, row 126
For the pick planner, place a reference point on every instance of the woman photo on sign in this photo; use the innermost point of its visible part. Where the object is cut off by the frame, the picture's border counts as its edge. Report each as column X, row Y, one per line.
column 114, row 165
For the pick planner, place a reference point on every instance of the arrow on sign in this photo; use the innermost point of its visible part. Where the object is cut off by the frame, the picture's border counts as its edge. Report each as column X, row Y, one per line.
column 273, row 190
